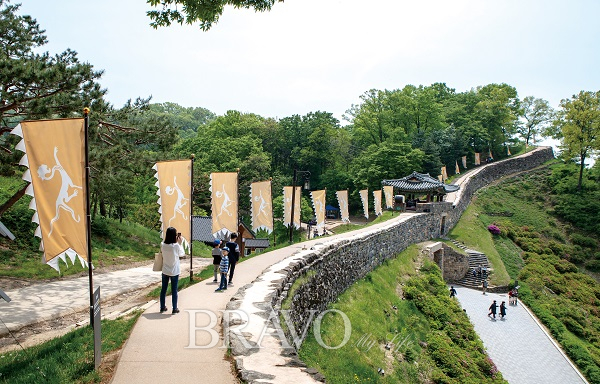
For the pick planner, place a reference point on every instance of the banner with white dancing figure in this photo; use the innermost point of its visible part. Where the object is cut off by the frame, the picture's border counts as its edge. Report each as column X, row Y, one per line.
column 262, row 210
column 456, row 169
column 287, row 206
column 464, row 162
column 508, row 151
column 377, row 203
column 224, row 197
column 342, row 197
column 477, row 159
column 444, row 174
column 55, row 155
column 364, row 197
column 388, row 192
column 318, row 200
column 174, row 180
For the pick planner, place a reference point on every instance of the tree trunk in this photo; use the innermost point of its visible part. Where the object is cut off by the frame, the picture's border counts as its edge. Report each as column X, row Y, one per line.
column 581, row 167
column 20, row 193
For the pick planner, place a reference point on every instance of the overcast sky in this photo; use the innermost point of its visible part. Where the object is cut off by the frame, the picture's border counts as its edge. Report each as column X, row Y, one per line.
column 309, row 55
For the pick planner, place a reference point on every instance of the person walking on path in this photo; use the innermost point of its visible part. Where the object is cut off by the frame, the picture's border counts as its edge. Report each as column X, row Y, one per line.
column 493, row 308
column 485, row 285
column 224, row 267
column 216, row 254
column 502, row 310
column 452, row 291
column 171, row 250
column 234, row 255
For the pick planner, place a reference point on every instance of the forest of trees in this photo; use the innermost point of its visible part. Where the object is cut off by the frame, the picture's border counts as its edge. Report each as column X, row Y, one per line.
column 389, row 134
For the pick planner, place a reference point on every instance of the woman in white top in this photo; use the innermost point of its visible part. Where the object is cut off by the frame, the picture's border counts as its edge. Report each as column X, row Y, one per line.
column 171, row 250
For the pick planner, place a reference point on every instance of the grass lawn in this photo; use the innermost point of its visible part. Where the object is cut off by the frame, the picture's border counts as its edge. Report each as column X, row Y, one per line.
column 66, row 359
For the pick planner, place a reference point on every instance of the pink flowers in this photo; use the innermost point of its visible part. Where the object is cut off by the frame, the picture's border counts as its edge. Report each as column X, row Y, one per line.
column 494, row 230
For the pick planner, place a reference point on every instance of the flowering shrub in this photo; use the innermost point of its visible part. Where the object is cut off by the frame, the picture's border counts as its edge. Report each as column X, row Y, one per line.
column 494, row 229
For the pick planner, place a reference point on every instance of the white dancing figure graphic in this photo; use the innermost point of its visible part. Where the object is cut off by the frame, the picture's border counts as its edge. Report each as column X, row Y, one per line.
column 63, row 195
column 181, row 200
column 263, row 205
column 226, row 201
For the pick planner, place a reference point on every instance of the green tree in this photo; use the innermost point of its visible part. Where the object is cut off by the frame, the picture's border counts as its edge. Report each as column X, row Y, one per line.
column 536, row 114
column 206, row 13
column 37, row 85
column 577, row 125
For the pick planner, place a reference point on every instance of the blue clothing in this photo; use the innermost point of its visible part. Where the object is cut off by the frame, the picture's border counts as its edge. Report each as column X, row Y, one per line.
column 163, row 291
column 224, row 266
column 223, row 284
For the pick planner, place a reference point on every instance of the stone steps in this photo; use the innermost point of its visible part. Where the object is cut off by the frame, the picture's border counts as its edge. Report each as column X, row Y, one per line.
column 476, row 259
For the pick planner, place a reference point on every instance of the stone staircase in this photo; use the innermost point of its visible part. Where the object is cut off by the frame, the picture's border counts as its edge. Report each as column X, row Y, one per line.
column 475, row 259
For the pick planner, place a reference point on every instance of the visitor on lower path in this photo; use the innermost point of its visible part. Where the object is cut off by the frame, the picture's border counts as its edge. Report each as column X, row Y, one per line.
column 502, row 310
column 452, row 291
column 485, row 285
column 493, row 308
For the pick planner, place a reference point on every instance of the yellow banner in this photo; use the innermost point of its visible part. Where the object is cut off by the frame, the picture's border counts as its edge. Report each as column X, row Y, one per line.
column 224, row 188
column 364, row 197
column 377, row 202
column 456, row 169
column 174, row 191
column 477, row 159
column 55, row 154
column 444, row 173
column 287, row 206
column 508, row 150
column 388, row 191
column 342, row 197
column 318, row 199
column 464, row 161
column 262, row 210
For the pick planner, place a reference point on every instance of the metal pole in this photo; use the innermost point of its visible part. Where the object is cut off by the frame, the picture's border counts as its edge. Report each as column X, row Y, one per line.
column 293, row 204
column 192, row 158
column 86, row 125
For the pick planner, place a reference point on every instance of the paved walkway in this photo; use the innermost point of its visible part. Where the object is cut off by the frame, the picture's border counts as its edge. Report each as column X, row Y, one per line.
column 47, row 301
column 520, row 347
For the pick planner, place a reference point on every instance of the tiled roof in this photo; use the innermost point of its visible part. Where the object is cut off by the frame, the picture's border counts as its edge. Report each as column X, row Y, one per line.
column 202, row 227
column 257, row 243
column 420, row 182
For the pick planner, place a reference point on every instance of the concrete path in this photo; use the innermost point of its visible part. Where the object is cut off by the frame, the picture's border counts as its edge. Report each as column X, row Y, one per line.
column 40, row 302
column 519, row 345
column 169, row 348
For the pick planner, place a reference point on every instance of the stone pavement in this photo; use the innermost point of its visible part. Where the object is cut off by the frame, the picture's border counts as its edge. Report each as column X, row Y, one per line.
column 519, row 345
column 40, row 302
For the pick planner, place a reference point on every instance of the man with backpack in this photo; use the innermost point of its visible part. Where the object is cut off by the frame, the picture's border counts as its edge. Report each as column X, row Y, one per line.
column 234, row 255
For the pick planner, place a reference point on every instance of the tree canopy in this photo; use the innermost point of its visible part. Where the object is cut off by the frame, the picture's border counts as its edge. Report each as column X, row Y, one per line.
column 206, row 13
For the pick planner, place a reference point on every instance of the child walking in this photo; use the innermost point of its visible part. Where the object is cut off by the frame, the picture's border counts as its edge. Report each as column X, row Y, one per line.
column 216, row 254
column 224, row 267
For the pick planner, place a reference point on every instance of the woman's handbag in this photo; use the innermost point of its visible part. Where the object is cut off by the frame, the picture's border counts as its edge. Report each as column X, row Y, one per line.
column 158, row 262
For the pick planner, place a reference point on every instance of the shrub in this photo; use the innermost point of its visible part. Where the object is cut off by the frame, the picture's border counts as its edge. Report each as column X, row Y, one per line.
column 494, row 230
column 584, row 241
column 593, row 265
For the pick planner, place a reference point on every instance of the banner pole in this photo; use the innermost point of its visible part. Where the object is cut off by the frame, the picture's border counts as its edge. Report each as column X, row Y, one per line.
column 86, row 125
column 192, row 158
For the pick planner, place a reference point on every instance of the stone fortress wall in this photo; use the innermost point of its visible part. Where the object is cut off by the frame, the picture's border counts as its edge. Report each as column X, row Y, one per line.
column 329, row 268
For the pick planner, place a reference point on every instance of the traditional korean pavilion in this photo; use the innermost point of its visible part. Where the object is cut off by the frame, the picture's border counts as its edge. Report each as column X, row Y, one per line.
column 417, row 185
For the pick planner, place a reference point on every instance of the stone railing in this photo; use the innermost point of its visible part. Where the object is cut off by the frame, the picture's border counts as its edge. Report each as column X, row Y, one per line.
column 259, row 344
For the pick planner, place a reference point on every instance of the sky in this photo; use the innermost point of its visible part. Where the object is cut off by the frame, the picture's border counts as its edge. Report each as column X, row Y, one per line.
column 322, row 55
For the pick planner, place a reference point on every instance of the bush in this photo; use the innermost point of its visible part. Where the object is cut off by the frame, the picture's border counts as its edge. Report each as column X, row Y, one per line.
column 593, row 265
column 494, row 230
column 584, row 241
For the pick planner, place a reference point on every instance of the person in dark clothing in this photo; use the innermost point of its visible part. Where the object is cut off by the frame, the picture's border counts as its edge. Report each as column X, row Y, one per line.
column 234, row 255
column 493, row 309
column 502, row 310
column 452, row 291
